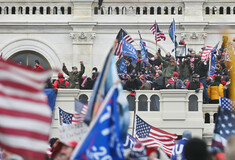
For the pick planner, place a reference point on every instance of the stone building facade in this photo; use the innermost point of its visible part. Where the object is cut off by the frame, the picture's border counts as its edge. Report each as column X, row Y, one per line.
column 73, row 30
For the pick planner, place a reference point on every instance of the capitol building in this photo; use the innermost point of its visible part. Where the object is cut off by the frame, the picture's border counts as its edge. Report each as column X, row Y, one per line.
column 71, row 31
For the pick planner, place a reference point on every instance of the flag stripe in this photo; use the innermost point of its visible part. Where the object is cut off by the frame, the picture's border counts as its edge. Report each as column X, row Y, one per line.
column 159, row 35
column 206, row 53
column 23, row 133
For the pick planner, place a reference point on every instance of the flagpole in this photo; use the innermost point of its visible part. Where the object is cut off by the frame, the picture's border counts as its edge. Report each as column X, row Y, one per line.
column 174, row 36
column 133, row 130
column 156, row 34
column 210, row 64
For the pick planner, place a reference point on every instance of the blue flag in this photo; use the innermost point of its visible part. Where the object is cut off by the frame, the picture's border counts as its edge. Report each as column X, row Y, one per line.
column 144, row 52
column 172, row 32
column 111, row 69
column 103, row 140
column 129, row 142
column 122, row 66
column 129, row 50
column 213, row 60
column 51, row 96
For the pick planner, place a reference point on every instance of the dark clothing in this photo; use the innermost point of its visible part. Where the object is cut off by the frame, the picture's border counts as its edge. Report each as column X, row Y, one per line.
column 132, row 85
column 186, row 70
column 193, row 85
column 159, row 83
column 129, row 68
column 200, row 68
column 74, row 77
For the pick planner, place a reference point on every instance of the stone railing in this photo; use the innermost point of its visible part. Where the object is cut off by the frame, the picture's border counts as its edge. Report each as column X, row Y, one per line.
column 173, row 110
column 219, row 9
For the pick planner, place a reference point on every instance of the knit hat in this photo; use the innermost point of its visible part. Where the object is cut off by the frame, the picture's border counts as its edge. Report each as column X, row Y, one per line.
column 74, row 67
column 187, row 135
column 175, row 74
column 60, row 75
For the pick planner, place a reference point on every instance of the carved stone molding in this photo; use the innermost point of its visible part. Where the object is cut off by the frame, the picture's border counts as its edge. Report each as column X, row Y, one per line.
column 193, row 37
column 82, row 37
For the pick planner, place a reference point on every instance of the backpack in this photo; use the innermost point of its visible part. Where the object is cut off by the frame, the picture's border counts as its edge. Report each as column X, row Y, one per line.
column 61, row 85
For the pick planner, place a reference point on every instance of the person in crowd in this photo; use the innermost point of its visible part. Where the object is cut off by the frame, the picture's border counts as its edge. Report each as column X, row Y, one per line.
column 195, row 84
column 168, row 56
column 201, row 69
column 75, row 76
column 49, row 83
column 61, row 82
column 140, row 64
column 169, row 68
column 215, row 90
column 174, row 82
column 138, row 152
column 145, row 84
column 186, row 69
column 37, row 66
column 178, row 150
column 155, row 60
column 159, row 82
column 132, row 83
column 63, row 151
column 129, row 66
column 196, row 149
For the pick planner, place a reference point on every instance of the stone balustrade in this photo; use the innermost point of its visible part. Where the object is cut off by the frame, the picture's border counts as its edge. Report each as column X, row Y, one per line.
column 173, row 110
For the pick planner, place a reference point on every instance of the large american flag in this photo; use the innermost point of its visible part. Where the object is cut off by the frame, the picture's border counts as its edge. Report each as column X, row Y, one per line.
column 159, row 35
column 154, row 137
column 206, row 53
column 25, row 116
column 224, row 125
column 121, row 35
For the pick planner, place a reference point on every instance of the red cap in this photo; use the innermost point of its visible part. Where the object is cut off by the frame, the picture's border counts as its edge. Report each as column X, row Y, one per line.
column 60, row 144
column 142, row 77
column 175, row 74
column 223, row 82
column 60, row 74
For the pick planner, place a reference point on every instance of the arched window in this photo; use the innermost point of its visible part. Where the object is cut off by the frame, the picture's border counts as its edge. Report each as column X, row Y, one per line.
column 145, row 11
column 48, row 10
column 180, row 10
column 27, row 10
column 143, row 103
column 207, row 118
column 193, row 103
column 34, row 10
column 0, row 10
column 131, row 10
column 41, row 10
column 55, row 11
column 165, row 10
column 69, row 10
column 110, row 10
column 28, row 58
column 159, row 10
column 173, row 10
column 62, row 10
column 221, row 10
column 117, row 10
column 83, row 98
column 102, row 10
column 138, row 10
column 207, row 10
column 154, row 103
column 6, row 10
column 151, row 10
column 13, row 10
column 123, row 10
column 214, row 10
column 131, row 101
column 233, row 10
column 20, row 10
column 228, row 10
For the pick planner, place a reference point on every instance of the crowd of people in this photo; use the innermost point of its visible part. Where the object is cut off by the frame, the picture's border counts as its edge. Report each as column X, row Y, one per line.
column 160, row 73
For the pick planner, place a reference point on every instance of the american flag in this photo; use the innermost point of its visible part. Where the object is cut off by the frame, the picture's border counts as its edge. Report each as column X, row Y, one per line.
column 224, row 125
column 80, row 107
column 69, row 118
column 206, row 53
column 25, row 116
column 159, row 35
column 121, row 35
column 154, row 137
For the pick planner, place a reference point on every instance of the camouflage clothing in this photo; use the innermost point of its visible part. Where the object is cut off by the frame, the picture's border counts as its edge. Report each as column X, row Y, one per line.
column 74, row 77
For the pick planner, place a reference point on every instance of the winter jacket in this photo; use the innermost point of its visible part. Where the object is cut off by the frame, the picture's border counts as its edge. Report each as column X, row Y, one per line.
column 74, row 77
column 62, row 82
column 215, row 90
